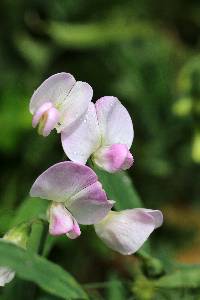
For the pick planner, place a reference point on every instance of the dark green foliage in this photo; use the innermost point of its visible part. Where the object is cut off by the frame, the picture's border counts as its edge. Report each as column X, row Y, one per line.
column 47, row 275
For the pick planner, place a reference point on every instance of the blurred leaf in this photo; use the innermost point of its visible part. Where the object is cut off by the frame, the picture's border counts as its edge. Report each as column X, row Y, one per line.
column 183, row 294
column 19, row 289
column 36, row 53
column 48, row 298
column 115, row 289
column 97, row 34
column 196, row 147
column 182, row 107
column 48, row 245
column 49, row 276
column 143, row 288
column 14, row 116
column 189, row 78
column 184, row 278
column 119, row 188
column 6, row 218
column 31, row 208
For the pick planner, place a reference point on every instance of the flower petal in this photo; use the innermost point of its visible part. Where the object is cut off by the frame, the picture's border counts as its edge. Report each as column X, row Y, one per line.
column 38, row 114
column 113, row 158
column 75, row 232
column 60, row 219
column 52, row 118
column 90, row 205
column 6, row 275
column 80, row 143
column 75, row 105
column 114, row 120
column 54, row 90
column 62, row 180
column 157, row 215
column 126, row 231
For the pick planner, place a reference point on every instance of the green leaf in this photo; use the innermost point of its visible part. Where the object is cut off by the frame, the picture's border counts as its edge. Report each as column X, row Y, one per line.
column 48, row 298
column 119, row 188
column 31, row 208
column 35, row 52
column 96, row 34
column 49, row 276
column 185, row 278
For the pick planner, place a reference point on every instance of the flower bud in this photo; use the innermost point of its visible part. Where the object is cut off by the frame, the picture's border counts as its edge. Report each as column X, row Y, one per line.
column 18, row 235
column 114, row 158
column 62, row 222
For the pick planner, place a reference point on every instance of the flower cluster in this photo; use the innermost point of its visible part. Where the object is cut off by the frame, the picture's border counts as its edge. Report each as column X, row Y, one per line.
column 103, row 132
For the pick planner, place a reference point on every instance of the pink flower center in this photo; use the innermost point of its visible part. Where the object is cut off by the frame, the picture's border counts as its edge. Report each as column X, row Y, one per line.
column 47, row 116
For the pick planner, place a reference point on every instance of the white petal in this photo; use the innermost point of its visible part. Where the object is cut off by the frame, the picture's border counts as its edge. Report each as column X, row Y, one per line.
column 115, row 123
column 54, row 89
column 75, row 105
column 6, row 275
column 126, row 231
column 80, row 143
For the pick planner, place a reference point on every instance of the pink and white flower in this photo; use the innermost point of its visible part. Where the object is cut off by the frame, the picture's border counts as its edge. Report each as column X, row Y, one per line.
column 59, row 102
column 76, row 194
column 127, row 230
column 105, row 133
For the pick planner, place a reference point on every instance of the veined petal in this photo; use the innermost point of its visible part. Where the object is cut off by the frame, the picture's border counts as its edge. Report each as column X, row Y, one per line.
column 80, row 143
column 113, row 158
column 6, row 275
column 54, row 89
column 60, row 219
column 62, row 181
column 75, row 105
column 126, row 231
column 90, row 205
column 115, row 122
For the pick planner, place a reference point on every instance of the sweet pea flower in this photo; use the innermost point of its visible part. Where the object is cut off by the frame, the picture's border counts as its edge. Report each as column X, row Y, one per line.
column 59, row 102
column 105, row 133
column 76, row 194
column 127, row 230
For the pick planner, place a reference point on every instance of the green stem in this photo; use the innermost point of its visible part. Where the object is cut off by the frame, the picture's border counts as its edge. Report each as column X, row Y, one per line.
column 100, row 285
column 153, row 267
column 38, row 236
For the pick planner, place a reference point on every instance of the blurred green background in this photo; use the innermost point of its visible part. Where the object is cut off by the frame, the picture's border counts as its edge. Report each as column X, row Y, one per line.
column 147, row 54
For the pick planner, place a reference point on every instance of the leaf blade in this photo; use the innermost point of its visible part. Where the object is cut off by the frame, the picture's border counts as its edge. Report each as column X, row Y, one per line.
column 120, row 189
column 49, row 276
